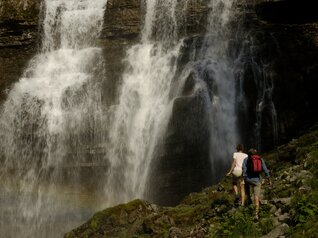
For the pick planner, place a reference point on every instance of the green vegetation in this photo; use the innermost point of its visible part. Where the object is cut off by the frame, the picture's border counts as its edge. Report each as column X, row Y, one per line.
column 291, row 202
column 236, row 224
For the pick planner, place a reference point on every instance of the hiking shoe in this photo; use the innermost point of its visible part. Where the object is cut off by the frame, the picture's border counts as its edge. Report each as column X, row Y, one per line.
column 256, row 217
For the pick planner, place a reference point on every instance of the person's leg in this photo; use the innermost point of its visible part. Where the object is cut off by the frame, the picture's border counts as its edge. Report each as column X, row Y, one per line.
column 235, row 189
column 234, row 183
column 256, row 198
column 247, row 192
column 242, row 186
column 257, row 193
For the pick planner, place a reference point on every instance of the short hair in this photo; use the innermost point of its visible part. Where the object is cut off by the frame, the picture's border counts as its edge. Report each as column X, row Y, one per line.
column 252, row 151
column 239, row 147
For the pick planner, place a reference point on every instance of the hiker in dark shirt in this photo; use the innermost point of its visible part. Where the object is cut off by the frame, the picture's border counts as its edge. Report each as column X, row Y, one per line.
column 252, row 167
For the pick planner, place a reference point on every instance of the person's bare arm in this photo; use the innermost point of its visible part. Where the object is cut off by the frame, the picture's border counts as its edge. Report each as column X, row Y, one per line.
column 232, row 167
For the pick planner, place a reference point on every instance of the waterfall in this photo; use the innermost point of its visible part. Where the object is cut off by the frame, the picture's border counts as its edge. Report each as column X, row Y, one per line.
column 217, row 71
column 49, row 118
column 66, row 154
column 255, row 75
column 155, row 79
column 212, row 67
column 142, row 114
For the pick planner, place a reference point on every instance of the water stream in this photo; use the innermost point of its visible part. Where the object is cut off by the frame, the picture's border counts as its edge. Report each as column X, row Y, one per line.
column 65, row 154
column 140, row 119
column 48, row 120
column 216, row 70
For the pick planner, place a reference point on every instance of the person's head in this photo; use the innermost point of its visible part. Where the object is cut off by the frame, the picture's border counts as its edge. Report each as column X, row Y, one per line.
column 252, row 151
column 239, row 147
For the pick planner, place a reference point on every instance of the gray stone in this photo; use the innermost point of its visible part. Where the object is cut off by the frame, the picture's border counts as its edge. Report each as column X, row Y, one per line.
column 220, row 188
column 174, row 232
column 264, row 202
column 278, row 231
column 284, row 218
column 305, row 173
column 304, row 189
column 278, row 212
column 273, row 209
column 154, row 207
column 276, row 222
column 284, row 201
column 293, row 179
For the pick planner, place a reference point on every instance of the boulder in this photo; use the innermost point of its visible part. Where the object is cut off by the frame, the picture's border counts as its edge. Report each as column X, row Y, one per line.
column 304, row 189
column 114, row 221
column 284, row 201
column 284, row 218
column 278, row 212
column 278, row 231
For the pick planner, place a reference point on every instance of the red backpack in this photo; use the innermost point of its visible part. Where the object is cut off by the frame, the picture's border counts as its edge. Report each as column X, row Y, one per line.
column 256, row 164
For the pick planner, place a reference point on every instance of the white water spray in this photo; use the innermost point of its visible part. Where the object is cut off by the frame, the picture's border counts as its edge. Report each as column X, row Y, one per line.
column 213, row 69
column 144, row 105
column 220, row 67
column 53, row 112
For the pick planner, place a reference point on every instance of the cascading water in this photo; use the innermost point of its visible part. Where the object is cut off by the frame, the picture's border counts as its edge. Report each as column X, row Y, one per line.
column 255, row 91
column 53, row 123
column 265, row 107
column 140, row 119
column 155, row 78
column 216, row 69
column 212, row 67
column 50, row 117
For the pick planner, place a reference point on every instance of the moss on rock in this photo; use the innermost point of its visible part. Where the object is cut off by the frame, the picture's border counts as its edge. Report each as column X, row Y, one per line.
column 211, row 213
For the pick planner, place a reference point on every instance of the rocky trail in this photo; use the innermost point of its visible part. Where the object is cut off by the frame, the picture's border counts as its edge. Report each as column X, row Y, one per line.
column 288, row 208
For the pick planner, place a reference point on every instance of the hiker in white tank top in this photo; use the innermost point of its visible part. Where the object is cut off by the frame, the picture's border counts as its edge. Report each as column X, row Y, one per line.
column 236, row 171
column 238, row 158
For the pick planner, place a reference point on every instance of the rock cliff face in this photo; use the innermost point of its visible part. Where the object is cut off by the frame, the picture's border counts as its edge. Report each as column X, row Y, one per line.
column 120, row 31
column 23, row 10
column 285, row 42
column 18, row 38
column 287, row 46
column 122, row 27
